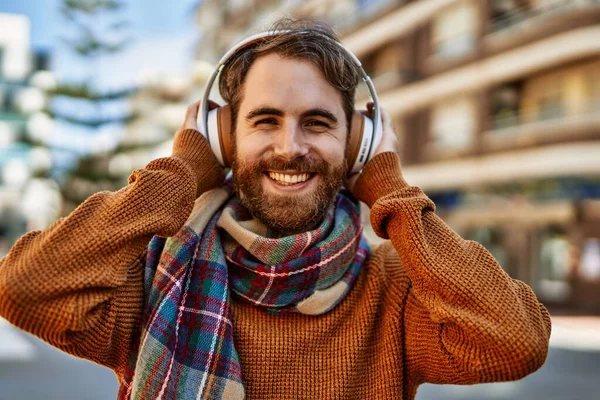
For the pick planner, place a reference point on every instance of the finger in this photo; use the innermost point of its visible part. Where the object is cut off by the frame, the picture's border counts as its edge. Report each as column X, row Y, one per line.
column 191, row 114
column 386, row 119
column 369, row 111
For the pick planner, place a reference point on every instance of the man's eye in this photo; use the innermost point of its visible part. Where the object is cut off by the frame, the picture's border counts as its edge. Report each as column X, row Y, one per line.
column 266, row 121
column 317, row 125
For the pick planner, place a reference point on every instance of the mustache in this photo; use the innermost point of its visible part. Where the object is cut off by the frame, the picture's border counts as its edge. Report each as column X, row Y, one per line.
column 301, row 164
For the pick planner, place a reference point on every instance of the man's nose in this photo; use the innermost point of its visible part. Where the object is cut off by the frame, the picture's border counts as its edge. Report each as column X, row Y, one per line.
column 291, row 142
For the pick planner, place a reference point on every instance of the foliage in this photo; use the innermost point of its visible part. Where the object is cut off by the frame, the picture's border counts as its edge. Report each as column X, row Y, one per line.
column 83, row 91
column 98, row 30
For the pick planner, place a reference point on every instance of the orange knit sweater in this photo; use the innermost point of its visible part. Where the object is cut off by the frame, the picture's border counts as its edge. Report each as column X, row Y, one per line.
column 428, row 306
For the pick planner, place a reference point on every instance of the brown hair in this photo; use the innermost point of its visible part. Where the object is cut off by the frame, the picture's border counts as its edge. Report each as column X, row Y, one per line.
column 304, row 39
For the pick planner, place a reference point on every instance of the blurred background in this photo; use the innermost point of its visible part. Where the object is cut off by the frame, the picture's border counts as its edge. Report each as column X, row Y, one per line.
column 496, row 105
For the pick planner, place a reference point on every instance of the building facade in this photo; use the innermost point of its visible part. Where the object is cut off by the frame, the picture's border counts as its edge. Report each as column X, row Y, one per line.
column 497, row 109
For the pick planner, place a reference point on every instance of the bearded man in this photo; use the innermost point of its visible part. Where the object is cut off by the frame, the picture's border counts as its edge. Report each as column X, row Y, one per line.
column 261, row 286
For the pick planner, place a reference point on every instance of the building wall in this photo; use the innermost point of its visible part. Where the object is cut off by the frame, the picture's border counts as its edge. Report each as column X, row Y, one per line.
column 491, row 124
column 573, row 90
column 15, row 60
column 493, row 103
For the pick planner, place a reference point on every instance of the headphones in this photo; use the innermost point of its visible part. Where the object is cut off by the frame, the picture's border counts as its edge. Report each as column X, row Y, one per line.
column 365, row 133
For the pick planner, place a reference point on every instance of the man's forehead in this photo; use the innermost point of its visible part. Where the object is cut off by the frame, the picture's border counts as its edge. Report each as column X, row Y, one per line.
column 294, row 87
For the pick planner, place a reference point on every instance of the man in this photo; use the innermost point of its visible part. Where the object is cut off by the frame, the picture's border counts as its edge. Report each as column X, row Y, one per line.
column 262, row 286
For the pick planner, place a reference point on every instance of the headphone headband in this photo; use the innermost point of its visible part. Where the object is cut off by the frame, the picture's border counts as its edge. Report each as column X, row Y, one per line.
column 261, row 37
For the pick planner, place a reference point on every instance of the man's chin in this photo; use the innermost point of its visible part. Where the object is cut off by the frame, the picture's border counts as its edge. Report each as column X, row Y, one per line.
column 287, row 211
column 287, row 208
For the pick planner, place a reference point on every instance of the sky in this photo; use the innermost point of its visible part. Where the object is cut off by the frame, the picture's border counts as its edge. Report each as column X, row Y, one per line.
column 164, row 35
column 150, row 17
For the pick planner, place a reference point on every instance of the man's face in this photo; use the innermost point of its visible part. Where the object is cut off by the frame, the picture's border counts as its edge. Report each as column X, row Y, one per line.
column 290, row 144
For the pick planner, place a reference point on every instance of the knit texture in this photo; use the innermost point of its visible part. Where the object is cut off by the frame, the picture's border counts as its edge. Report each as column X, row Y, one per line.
column 428, row 306
column 187, row 349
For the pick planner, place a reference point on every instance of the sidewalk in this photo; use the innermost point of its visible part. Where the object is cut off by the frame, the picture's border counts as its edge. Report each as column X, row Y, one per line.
column 13, row 344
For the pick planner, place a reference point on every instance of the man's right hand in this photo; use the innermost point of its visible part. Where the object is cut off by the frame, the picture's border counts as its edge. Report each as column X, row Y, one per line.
column 196, row 150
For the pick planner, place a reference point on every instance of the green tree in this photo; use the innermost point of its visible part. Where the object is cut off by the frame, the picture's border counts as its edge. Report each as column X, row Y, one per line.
column 98, row 30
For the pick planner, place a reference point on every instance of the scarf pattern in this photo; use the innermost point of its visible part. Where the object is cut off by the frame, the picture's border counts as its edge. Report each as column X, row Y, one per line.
column 186, row 348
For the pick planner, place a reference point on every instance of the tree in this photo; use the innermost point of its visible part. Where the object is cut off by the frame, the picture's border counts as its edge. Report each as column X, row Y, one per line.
column 97, row 31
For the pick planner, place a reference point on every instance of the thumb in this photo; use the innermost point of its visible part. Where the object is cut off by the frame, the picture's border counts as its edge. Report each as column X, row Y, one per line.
column 191, row 116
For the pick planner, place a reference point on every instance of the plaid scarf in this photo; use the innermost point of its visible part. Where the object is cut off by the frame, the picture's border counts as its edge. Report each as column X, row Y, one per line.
column 186, row 349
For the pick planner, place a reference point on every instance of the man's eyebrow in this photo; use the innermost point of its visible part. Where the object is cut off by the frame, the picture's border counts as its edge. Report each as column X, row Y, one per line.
column 320, row 112
column 264, row 111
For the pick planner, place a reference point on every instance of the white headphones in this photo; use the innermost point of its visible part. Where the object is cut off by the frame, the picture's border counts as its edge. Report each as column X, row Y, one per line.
column 365, row 133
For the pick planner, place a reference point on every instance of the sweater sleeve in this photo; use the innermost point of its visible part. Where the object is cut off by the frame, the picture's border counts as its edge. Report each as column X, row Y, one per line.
column 465, row 320
column 78, row 284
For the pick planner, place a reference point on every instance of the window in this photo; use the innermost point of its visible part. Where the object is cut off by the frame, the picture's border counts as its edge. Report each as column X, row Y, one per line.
column 389, row 66
column 589, row 263
column 544, row 96
column 453, row 124
column 550, row 107
column 455, row 30
column 388, row 60
column 506, row 101
column 505, row 13
column 554, row 264
column 594, row 89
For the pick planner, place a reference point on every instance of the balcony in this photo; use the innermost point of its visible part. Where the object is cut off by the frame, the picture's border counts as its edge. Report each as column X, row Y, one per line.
column 561, row 106
column 393, row 25
column 509, row 132
column 519, row 63
column 515, row 17
column 458, row 45
column 515, row 26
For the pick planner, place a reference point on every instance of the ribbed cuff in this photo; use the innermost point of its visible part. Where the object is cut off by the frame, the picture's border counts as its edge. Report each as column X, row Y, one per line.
column 192, row 147
column 380, row 176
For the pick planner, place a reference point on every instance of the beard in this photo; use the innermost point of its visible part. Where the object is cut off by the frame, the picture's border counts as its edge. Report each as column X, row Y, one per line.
column 287, row 214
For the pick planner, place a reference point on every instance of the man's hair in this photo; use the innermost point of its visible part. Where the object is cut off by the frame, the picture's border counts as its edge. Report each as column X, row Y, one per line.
column 304, row 39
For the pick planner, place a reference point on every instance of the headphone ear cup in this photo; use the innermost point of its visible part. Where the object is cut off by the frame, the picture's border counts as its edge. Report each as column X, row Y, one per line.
column 219, row 134
column 225, row 134
column 361, row 135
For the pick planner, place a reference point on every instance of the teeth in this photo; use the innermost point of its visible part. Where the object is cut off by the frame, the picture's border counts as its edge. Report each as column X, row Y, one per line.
column 288, row 178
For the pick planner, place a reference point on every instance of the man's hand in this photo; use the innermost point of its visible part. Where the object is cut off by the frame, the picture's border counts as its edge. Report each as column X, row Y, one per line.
column 196, row 150
column 191, row 117
column 389, row 141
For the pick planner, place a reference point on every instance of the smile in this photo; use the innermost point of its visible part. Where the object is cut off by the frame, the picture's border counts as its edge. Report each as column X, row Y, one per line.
column 288, row 179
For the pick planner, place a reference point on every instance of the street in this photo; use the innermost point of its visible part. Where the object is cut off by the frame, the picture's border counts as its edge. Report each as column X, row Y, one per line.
column 32, row 370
